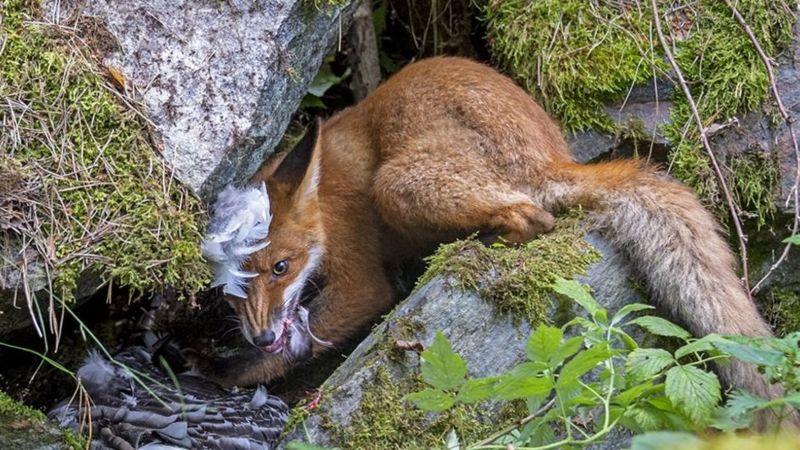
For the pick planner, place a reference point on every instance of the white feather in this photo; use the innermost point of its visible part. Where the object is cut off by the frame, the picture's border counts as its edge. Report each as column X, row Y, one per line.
column 237, row 229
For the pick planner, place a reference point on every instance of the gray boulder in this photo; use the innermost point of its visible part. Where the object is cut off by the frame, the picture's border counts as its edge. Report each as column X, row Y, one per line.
column 364, row 395
column 219, row 79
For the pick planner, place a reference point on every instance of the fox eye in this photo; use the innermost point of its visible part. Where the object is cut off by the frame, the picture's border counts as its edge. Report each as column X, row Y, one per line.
column 280, row 268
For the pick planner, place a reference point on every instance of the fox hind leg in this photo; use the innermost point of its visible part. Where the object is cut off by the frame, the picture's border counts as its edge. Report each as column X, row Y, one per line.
column 429, row 193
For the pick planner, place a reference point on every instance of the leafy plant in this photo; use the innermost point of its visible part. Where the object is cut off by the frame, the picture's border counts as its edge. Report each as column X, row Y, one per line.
column 323, row 80
column 582, row 380
column 795, row 239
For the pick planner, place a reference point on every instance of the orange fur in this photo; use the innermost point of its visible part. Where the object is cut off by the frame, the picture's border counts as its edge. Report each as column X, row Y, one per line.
column 447, row 147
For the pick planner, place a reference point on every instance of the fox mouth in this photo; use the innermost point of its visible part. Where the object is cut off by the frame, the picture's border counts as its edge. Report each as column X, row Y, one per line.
column 295, row 333
column 286, row 329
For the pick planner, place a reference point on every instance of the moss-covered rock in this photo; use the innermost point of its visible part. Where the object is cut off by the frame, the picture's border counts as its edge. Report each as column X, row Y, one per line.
column 576, row 56
column 517, row 280
column 94, row 193
column 24, row 427
column 486, row 302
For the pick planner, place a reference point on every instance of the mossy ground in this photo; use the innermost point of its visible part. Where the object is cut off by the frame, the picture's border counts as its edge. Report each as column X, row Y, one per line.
column 385, row 420
column 576, row 55
column 99, row 197
column 517, row 280
column 24, row 427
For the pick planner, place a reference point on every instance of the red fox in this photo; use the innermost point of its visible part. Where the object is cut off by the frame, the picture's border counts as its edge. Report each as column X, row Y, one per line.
column 445, row 148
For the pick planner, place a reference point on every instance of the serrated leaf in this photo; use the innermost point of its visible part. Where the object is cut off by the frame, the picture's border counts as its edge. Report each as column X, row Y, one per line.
column 581, row 363
column 628, row 396
column 742, row 402
column 693, row 391
column 434, row 400
column 644, row 363
column 660, row 327
column 544, row 342
column 661, row 440
column 440, row 366
column 646, row 417
column 703, row 344
column 629, row 343
column 565, row 350
column 530, row 369
column 750, row 353
column 578, row 293
column 511, row 387
column 476, row 390
column 627, row 309
column 795, row 239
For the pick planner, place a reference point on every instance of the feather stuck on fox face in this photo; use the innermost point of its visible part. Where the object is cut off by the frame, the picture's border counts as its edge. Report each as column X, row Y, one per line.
column 238, row 228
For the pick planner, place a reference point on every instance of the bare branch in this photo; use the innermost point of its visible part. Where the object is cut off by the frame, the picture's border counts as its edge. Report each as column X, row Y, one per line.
column 789, row 123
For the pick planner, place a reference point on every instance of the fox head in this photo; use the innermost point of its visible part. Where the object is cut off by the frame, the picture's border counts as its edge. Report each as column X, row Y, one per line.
column 266, row 243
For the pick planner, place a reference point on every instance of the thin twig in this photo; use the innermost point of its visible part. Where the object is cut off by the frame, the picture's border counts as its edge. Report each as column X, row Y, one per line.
column 789, row 123
column 515, row 425
column 704, row 140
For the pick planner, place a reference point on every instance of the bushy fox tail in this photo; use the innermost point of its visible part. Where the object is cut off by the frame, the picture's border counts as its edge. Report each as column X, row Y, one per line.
column 675, row 245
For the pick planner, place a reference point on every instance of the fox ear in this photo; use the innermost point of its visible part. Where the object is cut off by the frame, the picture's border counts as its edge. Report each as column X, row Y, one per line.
column 300, row 168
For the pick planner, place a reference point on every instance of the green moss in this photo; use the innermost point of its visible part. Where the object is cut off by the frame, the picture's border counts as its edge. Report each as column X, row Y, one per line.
column 572, row 55
column 25, row 427
column 104, row 200
column 576, row 55
column 517, row 280
column 782, row 308
column 386, row 421
column 726, row 77
column 754, row 181
column 11, row 408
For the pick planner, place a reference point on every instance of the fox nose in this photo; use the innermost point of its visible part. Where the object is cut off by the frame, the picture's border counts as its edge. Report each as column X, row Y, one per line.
column 267, row 337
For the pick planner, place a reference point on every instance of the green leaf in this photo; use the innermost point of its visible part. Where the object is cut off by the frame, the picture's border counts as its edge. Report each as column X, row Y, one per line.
column 312, row 101
column 628, row 396
column 324, row 79
column 530, row 369
column 511, row 387
column 664, row 440
column 750, row 353
column 661, row 327
column 647, row 417
column 565, row 350
column 703, row 344
column 582, row 363
column 476, row 390
column 440, row 366
column 742, row 402
column 644, row 363
column 793, row 400
column 627, row 309
column 434, row 400
column 544, row 342
column 793, row 239
column 577, row 292
column 693, row 391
